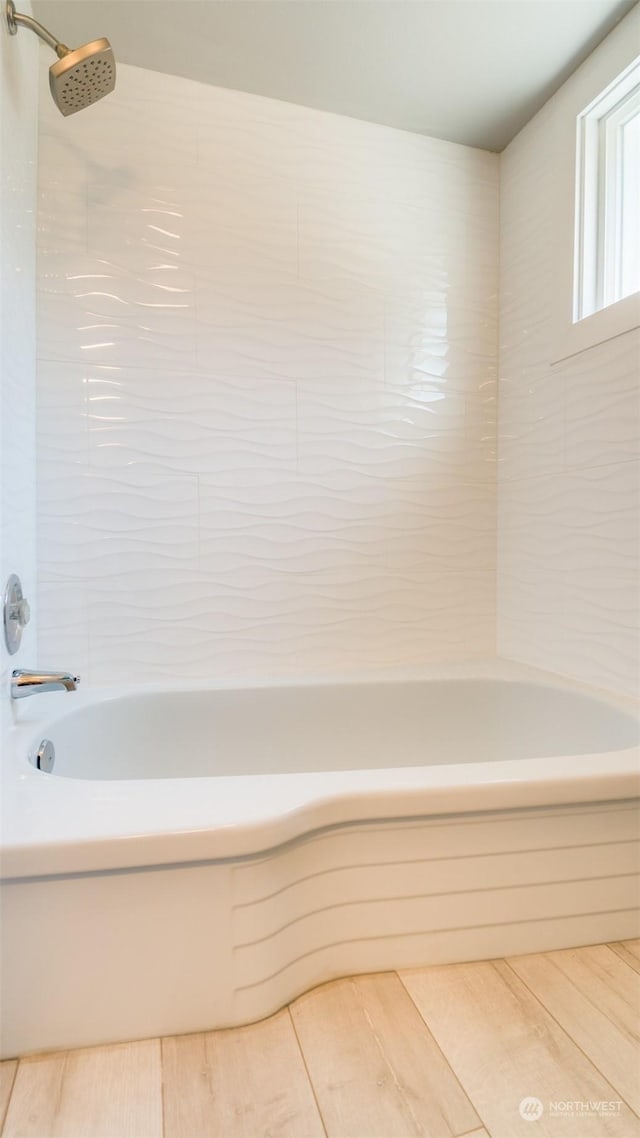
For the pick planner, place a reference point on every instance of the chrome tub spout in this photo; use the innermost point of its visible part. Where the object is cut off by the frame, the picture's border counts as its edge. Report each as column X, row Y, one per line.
column 25, row 682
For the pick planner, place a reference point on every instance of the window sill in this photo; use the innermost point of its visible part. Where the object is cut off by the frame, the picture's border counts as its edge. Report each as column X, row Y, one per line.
column 615, row 320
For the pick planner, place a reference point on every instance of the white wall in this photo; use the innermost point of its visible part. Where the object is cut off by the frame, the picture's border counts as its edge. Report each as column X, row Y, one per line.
column 18, row 138
column 569, row 433
column 293, row 470
column 267, row 355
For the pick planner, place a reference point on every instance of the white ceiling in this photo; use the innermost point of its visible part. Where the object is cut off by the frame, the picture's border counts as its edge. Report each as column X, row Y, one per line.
column 472, row 71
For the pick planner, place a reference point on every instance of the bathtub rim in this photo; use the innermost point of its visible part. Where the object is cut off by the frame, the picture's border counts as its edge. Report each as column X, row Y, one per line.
column 59, row 825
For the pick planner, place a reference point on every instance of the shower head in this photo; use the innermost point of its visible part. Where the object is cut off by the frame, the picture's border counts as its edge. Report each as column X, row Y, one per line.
column 79, row 77
column 83, row 76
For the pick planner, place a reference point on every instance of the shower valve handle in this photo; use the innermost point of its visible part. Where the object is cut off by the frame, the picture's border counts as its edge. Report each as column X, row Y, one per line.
column 21, row 613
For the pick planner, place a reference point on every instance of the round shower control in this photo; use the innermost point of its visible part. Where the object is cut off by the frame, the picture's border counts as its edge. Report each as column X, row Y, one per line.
column 46, row 756
column 17, row 614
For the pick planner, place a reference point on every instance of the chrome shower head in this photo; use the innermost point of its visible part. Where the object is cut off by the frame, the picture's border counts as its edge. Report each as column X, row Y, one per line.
column 79, row 77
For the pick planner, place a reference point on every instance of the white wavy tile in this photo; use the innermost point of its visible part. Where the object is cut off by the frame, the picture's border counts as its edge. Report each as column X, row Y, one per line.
column 393, row 433
column 255, row 219
column 568, row 577
column 568, row 441
column 95, row 312
column 585, row 520
column 361, row 536
column 18, row 270
column 249, row 136
column 63, row 443
column 317, row 149
column 529, row 612
column 330, row 250
column 527, row 245
column 191, row 423
column 245, row 635
column 79, row 325
column 60, row 162
column 583, row 625
column 602, row 403
column 138, row 517
column 460, row 303
column 80, row 292
column 62, row 215
column 284, row 412
column 118, row 280
column 293, row 332
column 531, row 429
column 63, row 632
column 568, row 581
column 337, row 154
column 61, row 420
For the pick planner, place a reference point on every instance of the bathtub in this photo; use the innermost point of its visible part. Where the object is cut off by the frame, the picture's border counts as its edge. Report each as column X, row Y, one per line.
column 197, row 858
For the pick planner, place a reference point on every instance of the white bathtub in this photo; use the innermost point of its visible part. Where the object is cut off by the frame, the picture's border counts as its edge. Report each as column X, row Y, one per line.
column 198, row 858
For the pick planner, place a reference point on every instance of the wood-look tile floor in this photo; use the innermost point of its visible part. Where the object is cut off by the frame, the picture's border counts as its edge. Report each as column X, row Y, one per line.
column 436, row 1052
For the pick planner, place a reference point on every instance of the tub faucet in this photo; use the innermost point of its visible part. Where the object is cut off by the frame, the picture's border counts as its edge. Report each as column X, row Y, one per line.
column 25, row 682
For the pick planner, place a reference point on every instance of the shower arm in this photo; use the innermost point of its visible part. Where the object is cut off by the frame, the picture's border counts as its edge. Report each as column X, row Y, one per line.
column 15, row 18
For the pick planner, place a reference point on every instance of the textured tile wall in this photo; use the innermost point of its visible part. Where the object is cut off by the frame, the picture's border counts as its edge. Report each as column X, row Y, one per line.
column 18, row 141
column 569, row 451
column 267, row 367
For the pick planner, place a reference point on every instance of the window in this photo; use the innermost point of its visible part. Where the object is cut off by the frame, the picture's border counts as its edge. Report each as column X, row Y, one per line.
column 607, row 246
column 594, row 196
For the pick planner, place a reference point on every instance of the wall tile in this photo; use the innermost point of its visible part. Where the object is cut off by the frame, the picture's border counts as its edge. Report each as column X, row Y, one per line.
column 267, row 383
column 581, row 521
column 387, row 433
column 62, row 217
column 601, row 403
column 137, row 517
column 106, row 315
column 198, row 424
column 63, row 631
column 295, row 332
column 267, row 389
column 568, row 446
column 532, row 435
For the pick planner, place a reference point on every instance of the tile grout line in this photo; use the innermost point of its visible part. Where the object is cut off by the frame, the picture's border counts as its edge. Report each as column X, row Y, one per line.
column 569, row 1036
column 444, row 1056
column 306, row 1069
